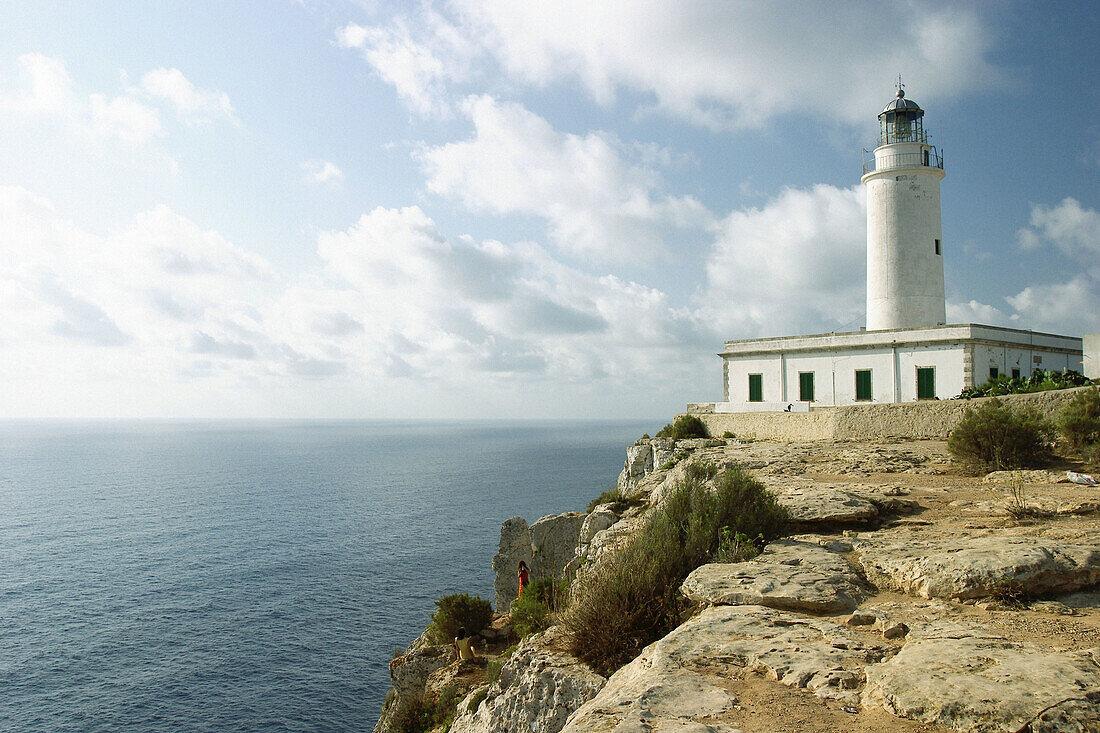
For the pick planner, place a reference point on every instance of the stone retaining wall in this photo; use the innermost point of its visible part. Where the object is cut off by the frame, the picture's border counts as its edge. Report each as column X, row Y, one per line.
column 914, row 420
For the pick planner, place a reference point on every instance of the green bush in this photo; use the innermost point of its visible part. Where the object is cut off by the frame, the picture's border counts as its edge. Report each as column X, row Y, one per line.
column 620, row 502
column 737, row 546
column 459, row 611
column 685, row 426
column 531, row 611
column 529, row 615
column 633, row 597
column 995, row 437
column 727, row 434
column 492, row 670
column 429, row 713
column 1039, row 381
column 1079, row 420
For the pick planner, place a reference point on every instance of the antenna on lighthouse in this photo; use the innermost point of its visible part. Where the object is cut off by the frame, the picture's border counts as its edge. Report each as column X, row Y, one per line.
column 900, row 87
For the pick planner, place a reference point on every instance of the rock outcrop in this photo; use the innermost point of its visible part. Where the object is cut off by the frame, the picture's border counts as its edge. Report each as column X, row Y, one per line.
column 539, row 687
column 681, row 681
column 964, row 677
column 547, row 546
column 796, row 575
column 962, row 568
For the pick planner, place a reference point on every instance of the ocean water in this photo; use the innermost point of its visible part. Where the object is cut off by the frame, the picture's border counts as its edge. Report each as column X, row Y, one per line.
column 246, row 576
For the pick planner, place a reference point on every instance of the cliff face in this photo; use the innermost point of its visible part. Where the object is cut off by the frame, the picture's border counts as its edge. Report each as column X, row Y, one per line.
column 908, row 598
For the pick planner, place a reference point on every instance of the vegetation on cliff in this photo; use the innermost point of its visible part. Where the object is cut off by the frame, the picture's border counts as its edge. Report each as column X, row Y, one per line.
column 1079, row 424
column 634, row 598
column 685, row 426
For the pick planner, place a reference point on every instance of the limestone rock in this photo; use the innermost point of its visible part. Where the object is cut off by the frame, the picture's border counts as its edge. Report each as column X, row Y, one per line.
column 968, row 679
column 962, row 568
column 600, row 519
column 409, row 672
column 546, row 546
column 538, row 689
column 789, row 574
column 824, row 505
column 679, row 682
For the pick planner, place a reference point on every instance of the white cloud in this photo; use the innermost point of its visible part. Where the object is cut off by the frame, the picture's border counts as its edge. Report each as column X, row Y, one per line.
column 1069, row 228
column 322, row 171
column 191, row 103
column 124, row 118
column 796, row 265
column 46, row 88
column 166, row 309
column 595, row 200
column 719, row 65
column 418, row 70
column 1065, row 307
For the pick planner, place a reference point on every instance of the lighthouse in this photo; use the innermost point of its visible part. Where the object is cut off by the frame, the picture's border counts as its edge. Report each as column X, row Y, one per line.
column 904, row 235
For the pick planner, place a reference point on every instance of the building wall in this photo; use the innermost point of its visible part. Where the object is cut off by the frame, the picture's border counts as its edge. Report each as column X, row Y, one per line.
column 914, row 420
column 1091, row 362
column 835, row 374
column 1005, row 358
column 904, row 272
column 956, row 365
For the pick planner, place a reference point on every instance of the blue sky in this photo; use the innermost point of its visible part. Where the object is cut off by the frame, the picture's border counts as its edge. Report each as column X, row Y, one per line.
column 497, row 209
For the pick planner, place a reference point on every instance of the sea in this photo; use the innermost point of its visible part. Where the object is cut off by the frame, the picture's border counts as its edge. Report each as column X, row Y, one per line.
column 254, row 576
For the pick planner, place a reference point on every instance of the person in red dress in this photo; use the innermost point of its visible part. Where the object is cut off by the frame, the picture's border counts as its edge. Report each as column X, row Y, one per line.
column 523, row 574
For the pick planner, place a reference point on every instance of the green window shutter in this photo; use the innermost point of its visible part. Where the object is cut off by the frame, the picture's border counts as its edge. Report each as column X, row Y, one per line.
column 756, row 388
column 863, row 384
column 806, row 386
column 926, row 383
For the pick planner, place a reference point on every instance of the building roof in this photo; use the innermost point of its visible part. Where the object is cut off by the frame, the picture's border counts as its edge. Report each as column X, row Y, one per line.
column 901, row 104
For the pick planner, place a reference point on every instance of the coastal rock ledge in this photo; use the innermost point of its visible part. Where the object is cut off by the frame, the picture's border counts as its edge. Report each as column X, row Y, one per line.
column 913, row 602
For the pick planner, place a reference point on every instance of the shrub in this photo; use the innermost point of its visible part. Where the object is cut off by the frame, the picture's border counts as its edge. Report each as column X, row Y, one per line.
column 459, row 611
column 478, row 698
column 633, row 597
column 685, row 426
column 728, row 434
column 1039, row 381
column 737, row 546
column 492, row 670
column 995, row 437
column 429, row 713
column 619, row 501
column 531, row 611
column 1079, row 420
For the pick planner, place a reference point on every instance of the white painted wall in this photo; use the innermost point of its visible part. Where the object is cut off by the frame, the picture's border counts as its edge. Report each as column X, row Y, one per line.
column 893, row 372
column 904, row 273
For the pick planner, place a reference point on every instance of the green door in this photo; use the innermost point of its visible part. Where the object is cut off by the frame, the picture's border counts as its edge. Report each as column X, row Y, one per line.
column 756, row 388
column 863, row 384
column 806, row 386
column 926, row 383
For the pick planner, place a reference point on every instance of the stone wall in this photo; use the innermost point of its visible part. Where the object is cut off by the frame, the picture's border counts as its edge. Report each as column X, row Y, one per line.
column 912, row 420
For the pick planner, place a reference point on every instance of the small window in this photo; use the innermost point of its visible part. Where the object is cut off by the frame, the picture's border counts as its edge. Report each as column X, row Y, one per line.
column 926, row 157
column 756, row 388
column 863, row 385
column 994, row 372
column 938, row 248
column 1016, row 373
column 806, row 386
column 926, row 383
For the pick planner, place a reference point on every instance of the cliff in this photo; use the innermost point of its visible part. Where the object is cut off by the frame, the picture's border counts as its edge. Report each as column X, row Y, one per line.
column 908, row 598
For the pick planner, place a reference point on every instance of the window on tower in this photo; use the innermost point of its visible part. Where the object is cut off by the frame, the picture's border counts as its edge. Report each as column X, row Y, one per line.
column 938, row 251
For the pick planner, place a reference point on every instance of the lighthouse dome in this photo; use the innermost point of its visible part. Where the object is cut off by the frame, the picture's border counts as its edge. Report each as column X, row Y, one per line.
column 901, row 104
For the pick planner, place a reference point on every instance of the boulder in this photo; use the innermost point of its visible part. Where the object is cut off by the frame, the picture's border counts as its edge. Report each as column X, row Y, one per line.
column 789, row 574
column 962, row 568
column 681, row 681
column 546, row 546
column 539, row 687
column 966, row 678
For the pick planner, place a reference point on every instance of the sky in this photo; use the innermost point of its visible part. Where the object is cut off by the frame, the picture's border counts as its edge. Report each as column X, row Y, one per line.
column 500, row 209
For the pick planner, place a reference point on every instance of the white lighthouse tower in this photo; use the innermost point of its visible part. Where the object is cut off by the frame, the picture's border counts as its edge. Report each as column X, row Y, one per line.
column 904, row 237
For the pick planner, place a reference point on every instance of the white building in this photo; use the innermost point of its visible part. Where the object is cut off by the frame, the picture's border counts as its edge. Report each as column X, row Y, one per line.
column 907, row 352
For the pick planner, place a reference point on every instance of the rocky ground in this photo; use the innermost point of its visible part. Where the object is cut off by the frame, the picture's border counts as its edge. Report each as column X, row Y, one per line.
column 909, row 598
